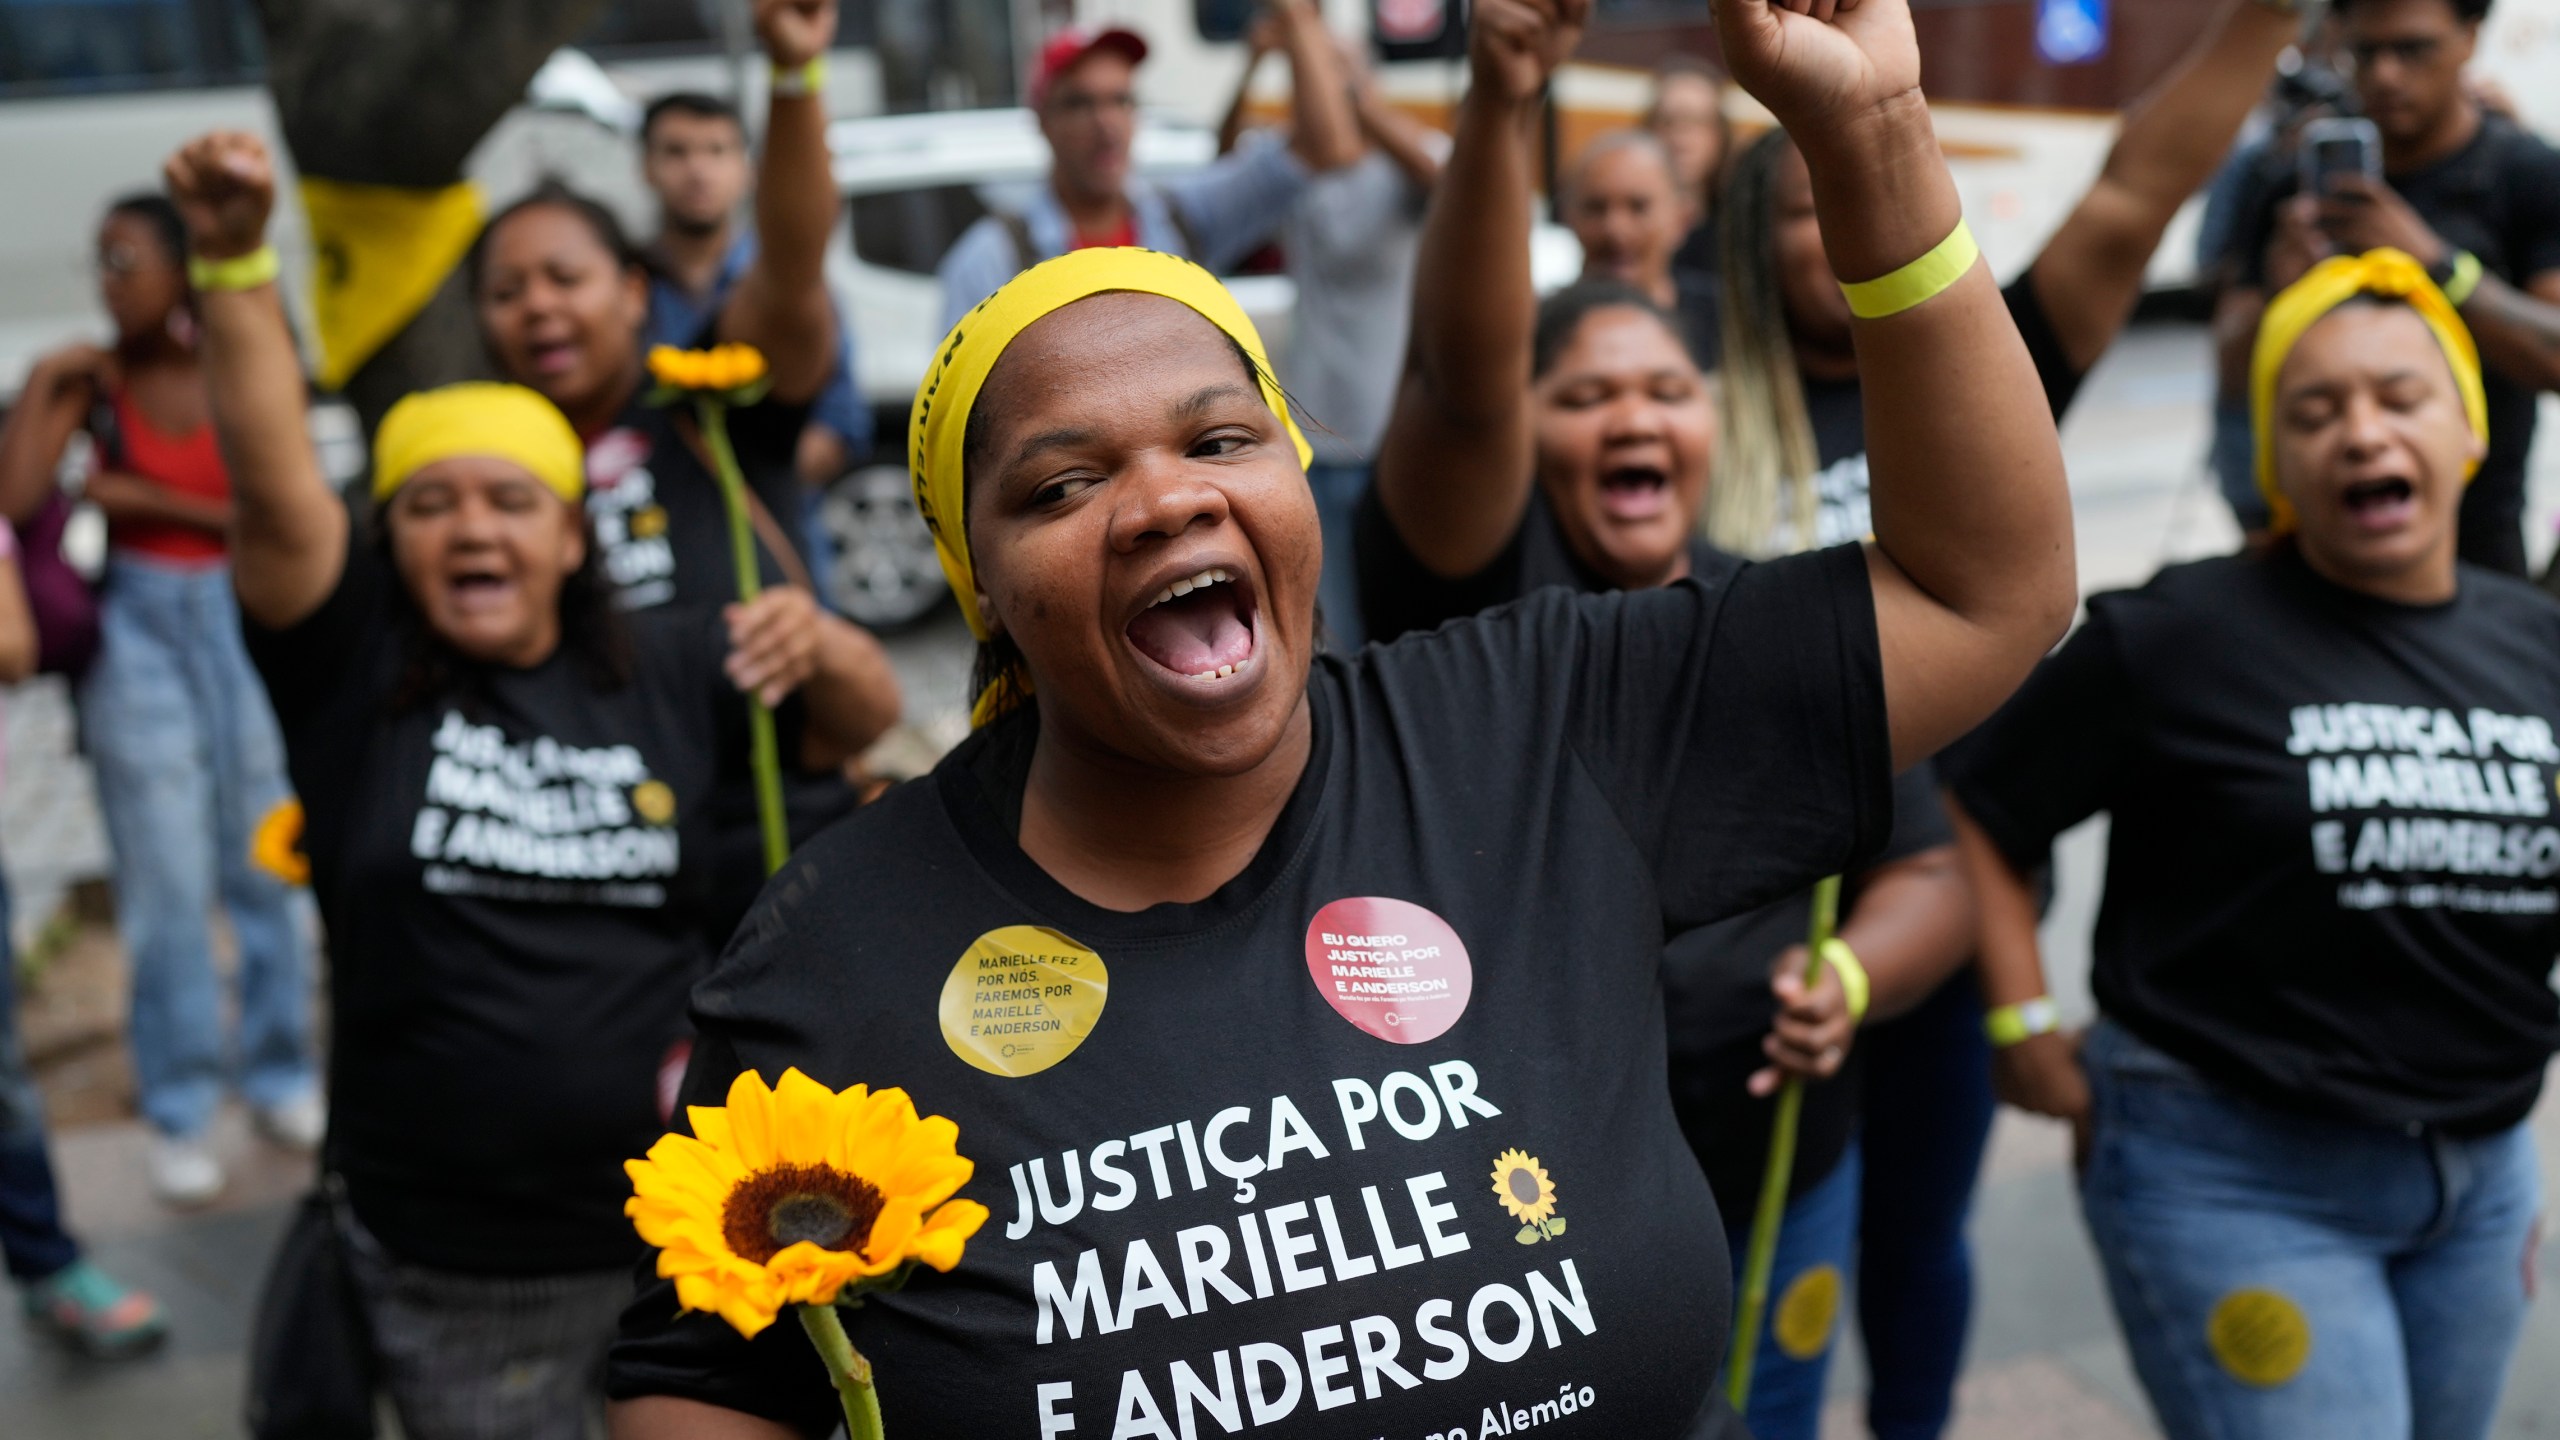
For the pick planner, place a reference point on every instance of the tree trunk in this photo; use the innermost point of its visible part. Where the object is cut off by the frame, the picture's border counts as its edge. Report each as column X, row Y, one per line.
column 398, row 92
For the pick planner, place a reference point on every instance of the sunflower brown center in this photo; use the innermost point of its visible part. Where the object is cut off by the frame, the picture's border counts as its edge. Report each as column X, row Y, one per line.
column 773, row 1210
column 1524, row 1185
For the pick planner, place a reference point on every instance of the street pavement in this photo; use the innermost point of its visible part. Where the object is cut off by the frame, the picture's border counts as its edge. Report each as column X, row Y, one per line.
column 2045, row 1358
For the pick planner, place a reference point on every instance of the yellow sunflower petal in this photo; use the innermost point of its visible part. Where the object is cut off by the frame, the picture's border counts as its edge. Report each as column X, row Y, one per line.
column 803, row 1115
column 899, row 1220
column 750, row 1110
column 711, row 1126
column 946, row 1231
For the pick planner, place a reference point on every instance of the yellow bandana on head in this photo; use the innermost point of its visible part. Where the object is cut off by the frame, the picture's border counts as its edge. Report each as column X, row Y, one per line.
column 939, row 426
column 2390, row 274
column 501, row 422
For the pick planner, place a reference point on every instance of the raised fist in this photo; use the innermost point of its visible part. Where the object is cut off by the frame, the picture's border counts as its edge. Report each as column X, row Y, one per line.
column 795, row 32
column 224, row 185
column 1820, row 64
column 1514, row 46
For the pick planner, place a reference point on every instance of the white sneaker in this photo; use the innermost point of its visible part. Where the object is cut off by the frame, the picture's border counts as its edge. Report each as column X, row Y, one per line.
column 183, row 1171
column 297, row 1124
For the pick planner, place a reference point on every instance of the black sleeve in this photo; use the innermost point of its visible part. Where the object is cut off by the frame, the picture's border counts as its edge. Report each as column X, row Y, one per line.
column 662, row 1351
column 1919, row 816
column 2057, row 753
column 684, row 648
column 1398, row 594
column 2054, row 370
column 1740, row 729
column 310, row 662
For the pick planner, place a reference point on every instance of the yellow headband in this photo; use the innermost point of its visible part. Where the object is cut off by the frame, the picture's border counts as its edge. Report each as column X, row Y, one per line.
column 501, row 422
column 2389, row 274
column 939, row 426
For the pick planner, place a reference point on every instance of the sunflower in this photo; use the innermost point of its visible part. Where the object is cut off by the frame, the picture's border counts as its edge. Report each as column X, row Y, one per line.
column 276, row 845
column 1521, row 1183
column 720, row 368
column 794, row 1195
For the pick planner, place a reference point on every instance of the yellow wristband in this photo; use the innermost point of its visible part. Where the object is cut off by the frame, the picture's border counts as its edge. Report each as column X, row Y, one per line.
column 2009, row 1025
column 1923, row 279
column 1853, row 976
column 2464, row 279
column 803, row 80
column 240, row 272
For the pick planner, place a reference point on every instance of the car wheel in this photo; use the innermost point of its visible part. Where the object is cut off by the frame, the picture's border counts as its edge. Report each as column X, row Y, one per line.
column 885, row 574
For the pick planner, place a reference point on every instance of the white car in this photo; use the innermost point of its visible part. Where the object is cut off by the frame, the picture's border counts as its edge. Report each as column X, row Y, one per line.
column 911, row 184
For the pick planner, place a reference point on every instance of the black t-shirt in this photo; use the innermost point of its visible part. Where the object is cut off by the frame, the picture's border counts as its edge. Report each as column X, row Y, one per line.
column 2499, row 198
column 1700, row 310
column 665, row 534
column 1715, row 983
column 1716, row 978
column 1837, row 410
column 657, row 509
column 2330, row 873
column 510, row 878
column 1459, row 917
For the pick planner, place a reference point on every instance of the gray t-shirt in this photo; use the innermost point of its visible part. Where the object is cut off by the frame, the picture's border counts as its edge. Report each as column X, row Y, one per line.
column 1351, row 240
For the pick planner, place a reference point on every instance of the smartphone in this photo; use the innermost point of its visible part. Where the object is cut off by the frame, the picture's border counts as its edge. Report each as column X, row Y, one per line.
column 2335, row 147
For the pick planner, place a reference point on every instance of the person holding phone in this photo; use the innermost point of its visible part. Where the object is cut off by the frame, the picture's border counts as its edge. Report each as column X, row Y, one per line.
column 2474, row 196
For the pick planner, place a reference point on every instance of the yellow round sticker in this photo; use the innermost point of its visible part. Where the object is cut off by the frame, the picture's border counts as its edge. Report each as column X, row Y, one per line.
column 1022, row 999
column 653, row 801
column 1802, row 1324
column 2261, row 1337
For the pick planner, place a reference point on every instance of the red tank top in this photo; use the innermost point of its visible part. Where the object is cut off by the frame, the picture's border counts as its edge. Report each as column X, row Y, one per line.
column 189, row 464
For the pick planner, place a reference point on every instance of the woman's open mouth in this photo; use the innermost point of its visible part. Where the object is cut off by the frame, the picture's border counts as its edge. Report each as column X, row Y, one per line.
column 2381, row 505
column 478, row 591
column 1200, row 627
column 1634, row 492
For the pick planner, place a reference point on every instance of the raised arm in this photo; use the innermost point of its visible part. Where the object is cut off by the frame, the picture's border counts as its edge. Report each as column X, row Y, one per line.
column 781, row 304
column 1322, row 128
column 17, row 621
column 1414, row 147
column 288, row 528
column 1259, row 40
column 1972, row 555
column 2089, row 275
column 1454, row 470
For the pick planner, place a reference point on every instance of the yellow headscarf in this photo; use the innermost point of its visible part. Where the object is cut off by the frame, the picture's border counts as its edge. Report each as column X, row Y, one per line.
column 939, row 425
column 502, row 422
column 2391, row 274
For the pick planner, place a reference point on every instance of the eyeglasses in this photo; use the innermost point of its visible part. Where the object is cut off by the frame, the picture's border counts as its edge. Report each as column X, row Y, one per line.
column 117, row 260
column 2410, row 53
column 1084, row 108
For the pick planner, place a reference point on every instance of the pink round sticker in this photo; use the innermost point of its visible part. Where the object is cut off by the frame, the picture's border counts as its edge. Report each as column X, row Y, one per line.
column 1390, row 967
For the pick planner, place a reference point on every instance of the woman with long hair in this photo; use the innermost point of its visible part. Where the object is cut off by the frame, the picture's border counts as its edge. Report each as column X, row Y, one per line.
column 2323, row 964
column 1376, row 940
column 175, row 725
column 507, row 782
column 1793, row 471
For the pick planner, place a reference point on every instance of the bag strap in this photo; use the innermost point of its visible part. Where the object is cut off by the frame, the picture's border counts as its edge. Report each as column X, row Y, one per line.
column 769, row 532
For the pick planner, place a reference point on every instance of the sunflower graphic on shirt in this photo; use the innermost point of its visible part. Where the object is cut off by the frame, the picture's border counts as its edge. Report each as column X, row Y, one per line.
column 1525, row 1189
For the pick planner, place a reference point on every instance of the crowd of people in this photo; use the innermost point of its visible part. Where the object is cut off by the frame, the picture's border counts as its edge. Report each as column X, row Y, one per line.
column 1543, row 654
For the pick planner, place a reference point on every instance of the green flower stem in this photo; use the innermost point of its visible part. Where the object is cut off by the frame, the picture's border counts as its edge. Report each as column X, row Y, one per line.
column 766, row 755
column 850, row 1371
column 1775, row 1178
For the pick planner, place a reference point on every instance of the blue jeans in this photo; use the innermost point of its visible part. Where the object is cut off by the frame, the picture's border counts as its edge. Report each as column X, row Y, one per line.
column 188, row 760
column 32, row 1241
column 1338, row 489
column 2281, row 1275
column 1815, row 1246
column 1928, row 1116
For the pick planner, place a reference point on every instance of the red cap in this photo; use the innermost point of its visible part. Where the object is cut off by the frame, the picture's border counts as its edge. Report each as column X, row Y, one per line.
column 1067, row 49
